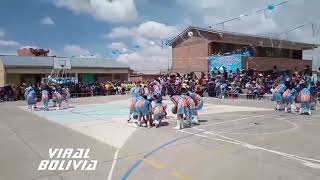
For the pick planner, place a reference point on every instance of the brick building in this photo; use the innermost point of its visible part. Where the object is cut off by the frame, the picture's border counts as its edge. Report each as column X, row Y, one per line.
column 143, row 77
column 27, row 69
column 32, row 51
column 191, row 48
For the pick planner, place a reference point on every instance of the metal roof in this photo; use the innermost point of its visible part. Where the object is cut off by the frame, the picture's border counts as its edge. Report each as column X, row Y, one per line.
column 248, row 36
column 97, row 63
column 47, row 62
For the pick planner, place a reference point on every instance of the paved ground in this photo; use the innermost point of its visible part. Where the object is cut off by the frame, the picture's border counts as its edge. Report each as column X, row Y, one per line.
column 237, row 139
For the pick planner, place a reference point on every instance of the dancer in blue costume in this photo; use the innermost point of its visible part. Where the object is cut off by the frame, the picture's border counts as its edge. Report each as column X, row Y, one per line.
column 192, row 110
column 313, row 95
column 45, row 99
column 159, row 112
column 26, row 92
column 176, row 100
column 305, row 99
column 144, row 110
column 184, row 108
column 57, row 97
column 198, row 101
column 31, row 99
column 146, row 91
column 157, row 89
column 135, row 93
column 65, row 96
column 288, row 99
column 277, row 95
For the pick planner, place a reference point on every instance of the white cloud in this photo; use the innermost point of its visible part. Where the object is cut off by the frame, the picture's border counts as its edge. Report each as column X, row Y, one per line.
column 9, row 43
column 283, row 18
column 122, row 32
column 154, row 29
column 150, row 29
column 149, row 36
column 104, row 10
column 75, row 50
column 151, row 57
column 117, row 45
column 206, row 4
column 2, row 33
column 90, row 56
column 48, row 21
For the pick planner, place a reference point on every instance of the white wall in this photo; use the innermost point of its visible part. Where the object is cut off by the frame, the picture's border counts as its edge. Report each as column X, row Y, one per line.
column 316, row 59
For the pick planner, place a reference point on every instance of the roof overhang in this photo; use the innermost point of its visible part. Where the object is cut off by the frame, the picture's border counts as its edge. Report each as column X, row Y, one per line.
column 247, row 39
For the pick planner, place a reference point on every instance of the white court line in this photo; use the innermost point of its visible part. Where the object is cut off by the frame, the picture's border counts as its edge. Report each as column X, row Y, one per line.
column 294, row 127
column 229, row 115
column 306, row 161
column 113, row 164
column 240, row 119
column 261, row 148
column 217, row 139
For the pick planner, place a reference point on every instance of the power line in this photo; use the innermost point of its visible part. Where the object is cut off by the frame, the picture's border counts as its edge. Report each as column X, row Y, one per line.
column 246, row 15
column 264, row 10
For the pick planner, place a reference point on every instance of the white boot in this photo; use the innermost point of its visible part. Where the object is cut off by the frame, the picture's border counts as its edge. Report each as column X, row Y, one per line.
column 293, row 108
column 300, row 111
column 139, row 123
column 32, row 107
column 195, row 120
column 285, row 109
column 148, row 124
column 309, row 112
column 182, row 123
column 178, row 127
column 157, row 123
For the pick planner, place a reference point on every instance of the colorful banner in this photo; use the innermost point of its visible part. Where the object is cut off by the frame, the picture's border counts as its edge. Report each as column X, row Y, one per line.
column 231, row 62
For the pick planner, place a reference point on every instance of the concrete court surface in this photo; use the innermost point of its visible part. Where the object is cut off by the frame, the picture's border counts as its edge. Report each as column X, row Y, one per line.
column 236, row 139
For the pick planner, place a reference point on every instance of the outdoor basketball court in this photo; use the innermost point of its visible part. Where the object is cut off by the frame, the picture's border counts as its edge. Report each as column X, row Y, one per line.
column 236, row 139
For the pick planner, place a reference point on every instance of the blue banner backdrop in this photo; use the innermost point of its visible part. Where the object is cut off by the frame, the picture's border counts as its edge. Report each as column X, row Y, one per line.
column 231, row 62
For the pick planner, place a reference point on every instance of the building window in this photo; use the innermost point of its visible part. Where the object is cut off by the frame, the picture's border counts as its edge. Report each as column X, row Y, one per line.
column 296, row 54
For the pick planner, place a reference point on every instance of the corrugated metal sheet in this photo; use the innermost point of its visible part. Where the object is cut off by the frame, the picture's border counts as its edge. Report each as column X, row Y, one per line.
column 96, row 63
column 47, row 62
column 23, row 61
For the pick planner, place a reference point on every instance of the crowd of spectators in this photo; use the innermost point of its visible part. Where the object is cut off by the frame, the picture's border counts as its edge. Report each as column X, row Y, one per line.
column 220, row 83
column 16, row 92
column 252, row 83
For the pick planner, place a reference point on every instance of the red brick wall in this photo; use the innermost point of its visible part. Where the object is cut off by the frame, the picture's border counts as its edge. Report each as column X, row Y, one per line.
column 25, row 52
column 265, row 64
column 135, row 78
column 190, row 56
column 144, row 78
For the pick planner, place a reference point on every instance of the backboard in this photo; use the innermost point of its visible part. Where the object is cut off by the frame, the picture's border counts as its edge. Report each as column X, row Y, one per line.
column 61, row 63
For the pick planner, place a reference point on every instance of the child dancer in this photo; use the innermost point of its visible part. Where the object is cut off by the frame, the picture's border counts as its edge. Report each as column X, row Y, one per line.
column 288, row 99
column 31, row 99
column 66, row 96
column 177, row 103
column 58, row 99
column 277, row 95
column 159, row 112
column 198, row 101
column 305, row 100
column 144, row 109
column 135, row 93
column 45, row 99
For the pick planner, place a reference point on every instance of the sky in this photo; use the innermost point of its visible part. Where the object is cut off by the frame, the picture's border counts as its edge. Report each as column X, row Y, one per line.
column 132, row 31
